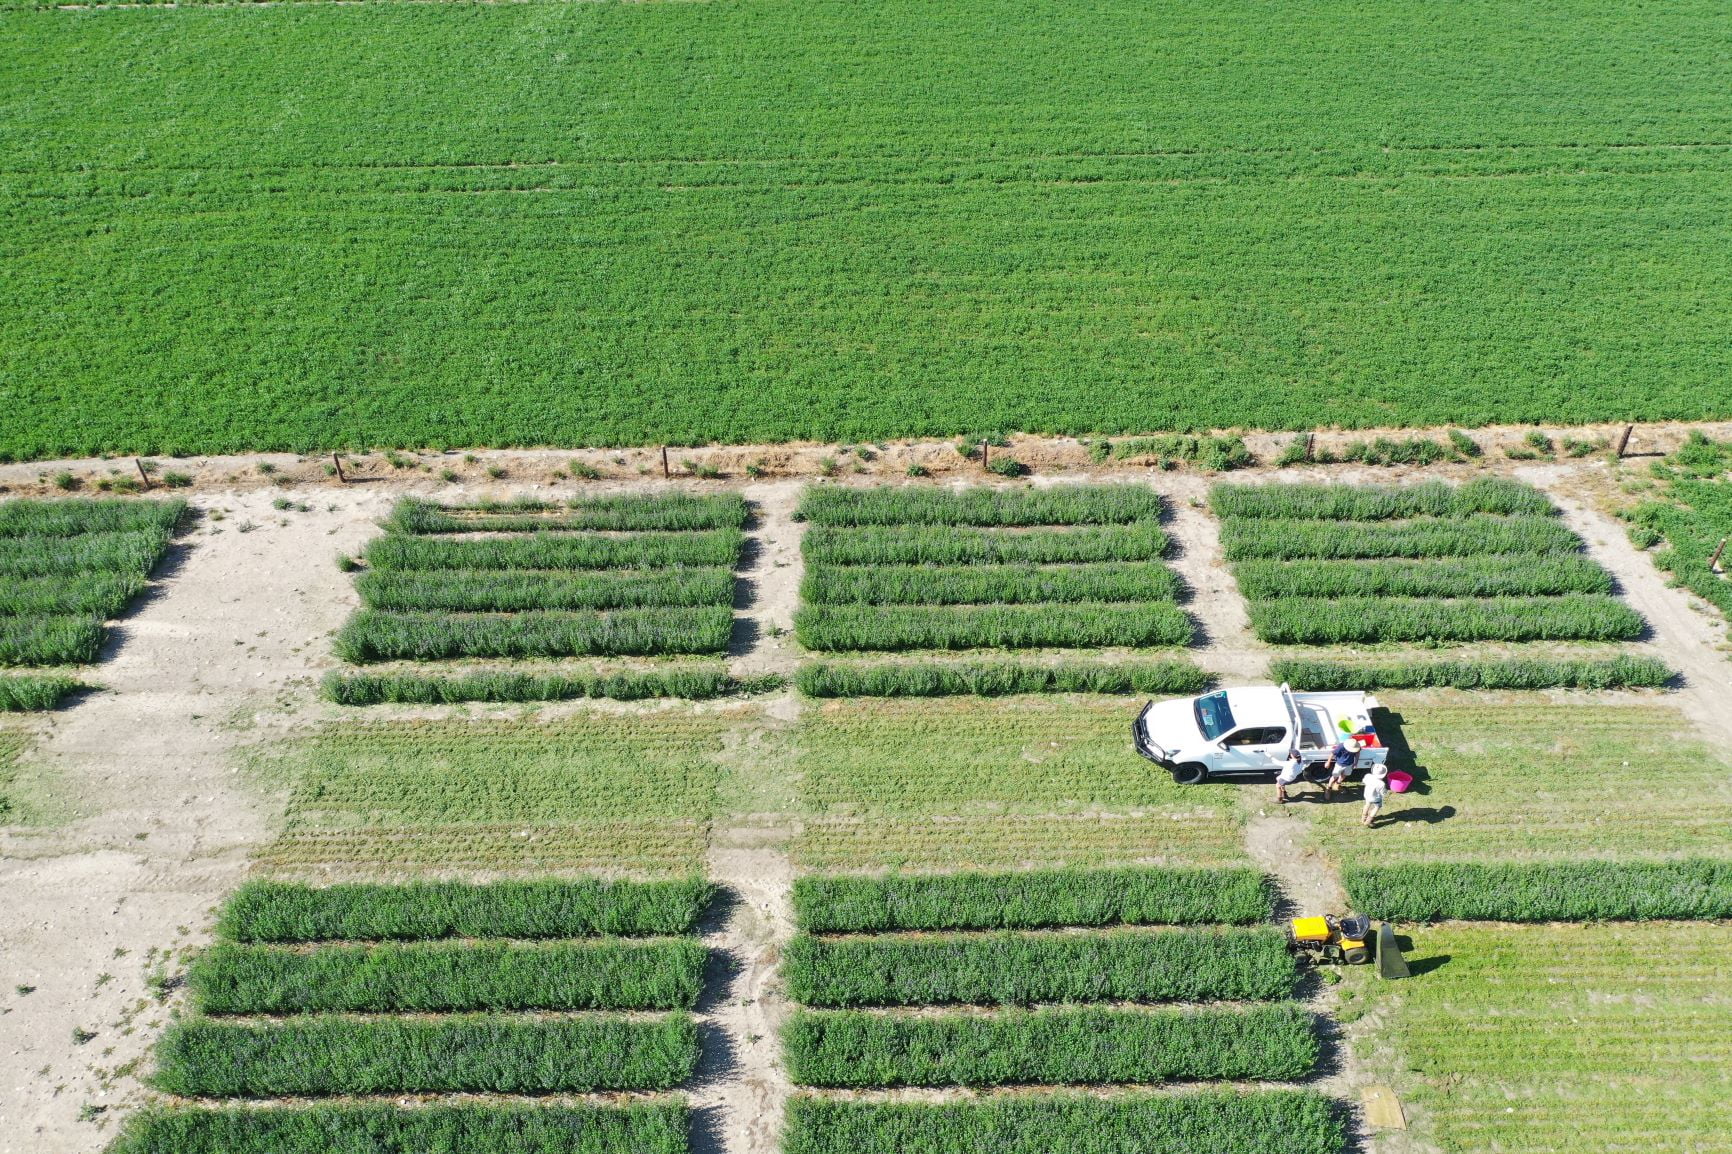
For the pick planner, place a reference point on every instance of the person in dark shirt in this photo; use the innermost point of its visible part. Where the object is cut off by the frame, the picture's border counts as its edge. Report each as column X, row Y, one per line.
column 1343, row 760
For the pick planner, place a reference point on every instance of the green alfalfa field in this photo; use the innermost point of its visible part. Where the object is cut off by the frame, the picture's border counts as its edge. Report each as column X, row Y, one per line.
column 756, row 220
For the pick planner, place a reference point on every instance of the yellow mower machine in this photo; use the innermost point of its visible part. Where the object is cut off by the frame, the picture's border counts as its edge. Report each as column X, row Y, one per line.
column 1331, row 939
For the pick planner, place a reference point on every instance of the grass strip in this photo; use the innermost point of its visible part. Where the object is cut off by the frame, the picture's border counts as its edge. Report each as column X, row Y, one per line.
column 981, row 505
column 935, row 545
column 1021, row 969
column 1587, row 891
column 1572, row 617
column 1497, row 575
column 76, row 516
column 715, row 548
column 1522, row 673
column 665, row 512
column 1247, row 539
column 64, row 640
column 370, row 1128
column 321, row 1056
column 1048, row 1047
column 264, row 911
column 1032, row 899
column 505, row 591
column 1326, row 502
column 1085, row 626
column 133, row 551
column 101, row 595
column 442, row 976
column 1206, row 1122
column 996, row 678
column 372, row 635
column 692, row 683
column 29, row 694
column 987, row 584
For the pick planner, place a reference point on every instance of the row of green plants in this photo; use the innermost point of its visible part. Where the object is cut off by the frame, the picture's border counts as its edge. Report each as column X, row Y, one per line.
column 60, row 640
column 78, row 516
column 1247, row 539
column 1022, row 969
column 937, row 545
column 1082, row 626
column 1335, row 502
column 1692, row 516
column 1488, row 576
column 999, row 678
column 445, row 976
column 377, row 1128
column 1580, row 891
column 1217, row 454
column 715, row 548
column 134, row 551
column 987, row 584
column 1622, row 672
column 624, row 512
column 372, row 635
column 1203, row 1122
column 274, row 911
column 509, row 591
column 1570, row 617
column 326, row 1055
column 980, row 505
column 694, row 683
column 1032, row 899
column 33, row 693
column 101, row 595
column 860, row 1048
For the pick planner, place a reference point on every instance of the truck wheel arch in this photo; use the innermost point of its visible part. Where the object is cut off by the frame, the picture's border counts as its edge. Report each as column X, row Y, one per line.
column 1190, row 773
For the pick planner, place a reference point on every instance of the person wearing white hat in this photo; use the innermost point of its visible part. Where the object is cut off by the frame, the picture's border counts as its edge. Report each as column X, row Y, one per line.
column 1376, row 789
column 1343, row 760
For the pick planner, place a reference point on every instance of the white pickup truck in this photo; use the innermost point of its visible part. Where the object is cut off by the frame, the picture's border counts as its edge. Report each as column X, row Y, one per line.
column 1249, row 732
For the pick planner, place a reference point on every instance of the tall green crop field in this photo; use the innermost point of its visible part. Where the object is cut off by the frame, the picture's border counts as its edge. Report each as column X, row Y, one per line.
column 767, row 219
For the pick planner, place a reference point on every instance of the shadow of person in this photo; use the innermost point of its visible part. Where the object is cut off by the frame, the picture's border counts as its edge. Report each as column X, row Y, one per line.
column 1430, row 815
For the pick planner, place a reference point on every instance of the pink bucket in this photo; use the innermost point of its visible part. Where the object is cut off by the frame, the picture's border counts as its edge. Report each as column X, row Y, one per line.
column 1399, row 781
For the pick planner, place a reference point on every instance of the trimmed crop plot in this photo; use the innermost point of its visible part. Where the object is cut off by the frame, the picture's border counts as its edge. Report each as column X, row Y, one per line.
column 600, row 576
column 1338, row 564
column 1543, row 782
column 1075, row 566
column 1539, row 1039
column 359, row 1017
column 66, row 566
column 1692, row 519
column 616, row 793
column 1128, row 216
column 1019, row 781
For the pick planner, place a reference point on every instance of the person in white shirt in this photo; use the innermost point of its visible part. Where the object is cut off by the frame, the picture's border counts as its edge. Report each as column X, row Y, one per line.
column 1376, row 789
column 1290, row 773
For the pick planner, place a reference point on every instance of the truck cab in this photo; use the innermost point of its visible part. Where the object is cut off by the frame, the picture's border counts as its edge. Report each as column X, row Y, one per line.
column 1248, row 731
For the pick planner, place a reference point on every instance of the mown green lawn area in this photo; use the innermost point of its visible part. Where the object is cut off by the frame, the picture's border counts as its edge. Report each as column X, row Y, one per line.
column 1552, row 1038
column 1528, row 782
column 1022, row 781
column 306, row 226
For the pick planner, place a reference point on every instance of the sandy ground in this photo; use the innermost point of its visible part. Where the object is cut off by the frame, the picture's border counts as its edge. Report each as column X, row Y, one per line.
column 150, row 822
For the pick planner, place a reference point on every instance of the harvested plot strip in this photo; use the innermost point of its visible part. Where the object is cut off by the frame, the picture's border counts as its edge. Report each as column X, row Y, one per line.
column 1021, row 969
column 1574, row 617
column 1494, row 576
column 996, row 678
column 101, row 595
column 1326, row 502
column 131, row 551
column 1246, row 539
column 624, row 512
column 504, row 591
column 986, row 584
column 1086, row 626
column 371, row 635
column 50, row 640
column 74, row 517
column 1544, row 892
column 639, row 1128
column 1207, row 1122
column 35, row 694
column 860, row 1048
column 716, row 548
column 695, row 684
column 922, row 505
column 1032, row 899
column 322, row 1056
column 928, row 545
column 1521, row 673
column 231, row 978
column 285, row 912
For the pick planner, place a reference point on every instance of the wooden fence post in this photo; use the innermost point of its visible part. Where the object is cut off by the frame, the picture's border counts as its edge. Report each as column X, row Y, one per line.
column 338, row 462
column 1714, row 561
column 1624, row 441
column 1310, row 444
column 142, row 475
column 667, row 474
column 984, row 446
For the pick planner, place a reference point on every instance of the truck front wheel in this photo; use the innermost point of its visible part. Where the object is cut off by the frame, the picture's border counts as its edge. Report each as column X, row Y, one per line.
column 1190, row 773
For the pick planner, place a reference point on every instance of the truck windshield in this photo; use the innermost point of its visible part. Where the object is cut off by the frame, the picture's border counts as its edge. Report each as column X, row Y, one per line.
column 1213, row 716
